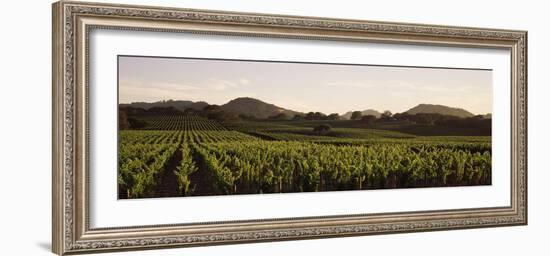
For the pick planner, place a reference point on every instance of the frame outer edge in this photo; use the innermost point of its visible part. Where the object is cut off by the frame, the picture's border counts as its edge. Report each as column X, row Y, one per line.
column 65, row 239
column 57, row 130
column 525, row 107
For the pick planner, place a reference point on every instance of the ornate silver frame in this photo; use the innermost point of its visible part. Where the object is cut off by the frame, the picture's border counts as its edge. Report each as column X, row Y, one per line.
column 72, row 21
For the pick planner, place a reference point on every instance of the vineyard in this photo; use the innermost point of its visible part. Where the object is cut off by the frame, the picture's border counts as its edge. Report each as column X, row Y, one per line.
column 182, row 122
column 193, row 156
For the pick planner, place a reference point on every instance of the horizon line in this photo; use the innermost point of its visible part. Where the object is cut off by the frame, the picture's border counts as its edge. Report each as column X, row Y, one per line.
column 305, row 112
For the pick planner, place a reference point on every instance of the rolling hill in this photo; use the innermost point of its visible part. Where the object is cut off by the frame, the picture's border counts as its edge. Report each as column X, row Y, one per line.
column 255, row 108
column 240, row 106
column 259, row 109
column 367, row 112
column 439, row 109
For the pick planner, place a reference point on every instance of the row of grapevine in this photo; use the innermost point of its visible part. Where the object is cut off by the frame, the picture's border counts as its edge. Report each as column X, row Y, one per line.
column 182, row 122
column 474, row 145
column 241, row 164
column 220, row 136
column 138, row 174
column 150, row 137
column 144, row 156
column 260, row 167
column 185, row 168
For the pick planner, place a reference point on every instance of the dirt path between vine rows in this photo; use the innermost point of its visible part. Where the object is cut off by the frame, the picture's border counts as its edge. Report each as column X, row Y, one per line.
column 202, row 180
column 168, row 185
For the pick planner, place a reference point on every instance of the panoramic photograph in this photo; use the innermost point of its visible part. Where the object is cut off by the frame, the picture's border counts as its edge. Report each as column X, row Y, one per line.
column 213, row 127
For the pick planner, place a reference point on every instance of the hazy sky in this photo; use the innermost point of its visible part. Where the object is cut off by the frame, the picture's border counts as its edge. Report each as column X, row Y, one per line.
column 327, row 88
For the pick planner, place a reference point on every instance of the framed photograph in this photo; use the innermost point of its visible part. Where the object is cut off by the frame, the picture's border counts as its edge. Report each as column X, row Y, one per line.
column 179, row 127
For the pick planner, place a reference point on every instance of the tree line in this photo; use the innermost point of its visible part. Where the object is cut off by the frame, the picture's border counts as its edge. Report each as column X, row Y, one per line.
column 127, row 118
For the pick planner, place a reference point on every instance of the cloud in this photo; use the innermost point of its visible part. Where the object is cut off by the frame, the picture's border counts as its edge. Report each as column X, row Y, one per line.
column 244, row 81
column 350, row 85
column 400, row 85
column 215, row 91
column 218, row 84
column 175, row 86
column 158, row 85
column 205, row 86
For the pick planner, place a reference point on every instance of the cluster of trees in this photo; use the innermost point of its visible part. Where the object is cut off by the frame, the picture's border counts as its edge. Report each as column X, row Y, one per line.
column 317, row 116
column 125, row 122
column 358, row 115
column 132, row 111
column 217, row 113
column 213, row 112
column 479, row 122
column 322, row 129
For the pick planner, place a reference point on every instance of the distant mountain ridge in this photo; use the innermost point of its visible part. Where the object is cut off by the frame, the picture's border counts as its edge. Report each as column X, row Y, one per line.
column 256, row 108
column 367, row 112
column 241, row 106
column 259, row 109
column 439, row 109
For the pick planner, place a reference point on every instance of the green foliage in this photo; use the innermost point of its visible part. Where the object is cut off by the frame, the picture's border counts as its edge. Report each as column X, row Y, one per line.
column 356, row 115
column 297, row 166
column 185, row 168
column 140, row 163
column 292, row 162
column 323, row 128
